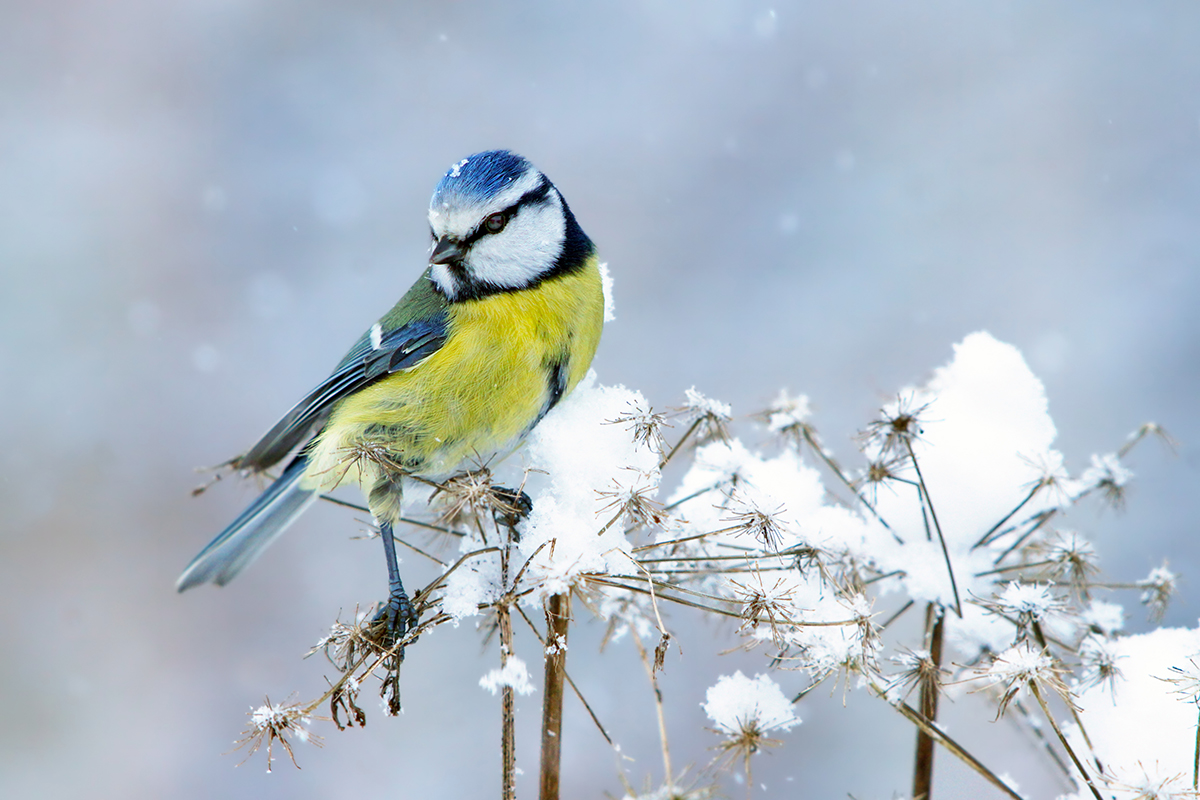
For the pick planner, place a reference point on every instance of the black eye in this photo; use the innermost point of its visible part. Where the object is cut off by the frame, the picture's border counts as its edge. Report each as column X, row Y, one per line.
column 496, row 222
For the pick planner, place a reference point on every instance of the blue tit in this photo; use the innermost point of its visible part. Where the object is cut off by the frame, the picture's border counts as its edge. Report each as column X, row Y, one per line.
column 500, row 327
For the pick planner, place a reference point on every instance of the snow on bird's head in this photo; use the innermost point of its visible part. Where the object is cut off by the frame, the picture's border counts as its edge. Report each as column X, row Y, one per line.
column 479, row 178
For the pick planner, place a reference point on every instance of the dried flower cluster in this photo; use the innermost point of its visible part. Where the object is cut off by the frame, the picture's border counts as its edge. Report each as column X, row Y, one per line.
column 959, row 512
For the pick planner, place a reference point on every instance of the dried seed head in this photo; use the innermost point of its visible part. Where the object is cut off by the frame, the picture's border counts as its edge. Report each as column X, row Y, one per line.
column 713, row 417
column 277, row 723
column 1072, row 559
column 898, row 426
column 916, row 669
column 1186, row 681
column 1020, row 667
column 767, row 527
column 879, row 472
column 645, row 425
column 634, row 502
column 1107, row 476
column 770, row 604
column 1098, row 661
column 1158, row 587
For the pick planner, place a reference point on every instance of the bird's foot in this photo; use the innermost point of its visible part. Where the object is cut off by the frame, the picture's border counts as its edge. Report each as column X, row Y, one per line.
column 511, row 505
column 396, row 618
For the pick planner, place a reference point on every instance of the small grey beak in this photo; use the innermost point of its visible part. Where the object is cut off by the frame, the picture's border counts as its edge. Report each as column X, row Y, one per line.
column 446, row 251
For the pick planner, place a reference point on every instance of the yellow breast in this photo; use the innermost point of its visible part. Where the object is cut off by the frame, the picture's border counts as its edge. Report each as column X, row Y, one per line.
column 476, row 397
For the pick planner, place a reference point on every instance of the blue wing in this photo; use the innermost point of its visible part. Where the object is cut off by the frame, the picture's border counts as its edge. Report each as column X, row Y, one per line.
column 414, row 331
column 366, row 363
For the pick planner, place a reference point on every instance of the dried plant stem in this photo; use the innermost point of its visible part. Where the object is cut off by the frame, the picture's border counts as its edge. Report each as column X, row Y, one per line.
column 836, row 469
column 682, row 440
column 508, row 723
column 558, row 618
column 1038, row 732
column 945, row 741
column 928, row 503
column 587, row 706
column 1033, row 688
column 1196, row 760
column 987, row 537
column 928, row 700
column 508, row 752
column 668, row 777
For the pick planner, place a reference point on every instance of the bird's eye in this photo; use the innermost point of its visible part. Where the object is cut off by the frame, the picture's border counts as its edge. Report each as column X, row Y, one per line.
column 496, row 222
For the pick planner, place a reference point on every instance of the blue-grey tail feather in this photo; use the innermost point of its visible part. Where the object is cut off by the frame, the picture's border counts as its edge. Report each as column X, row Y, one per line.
column 254, row 529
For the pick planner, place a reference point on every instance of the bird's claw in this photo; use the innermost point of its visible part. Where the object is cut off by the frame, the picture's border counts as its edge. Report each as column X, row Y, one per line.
column 397, row 617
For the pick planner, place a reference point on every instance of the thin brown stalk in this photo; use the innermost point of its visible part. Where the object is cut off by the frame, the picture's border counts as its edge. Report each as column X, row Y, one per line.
column 836, row 469
column 558, row 617
column 508, row 724
column 928, row 701
column 1033, row 687
column 944, row 739
column 508, row 737
column 668, row 775
column 1196, row 760
column 682, row 439
column 987, row 536
column 928, row 503
column 570, row 682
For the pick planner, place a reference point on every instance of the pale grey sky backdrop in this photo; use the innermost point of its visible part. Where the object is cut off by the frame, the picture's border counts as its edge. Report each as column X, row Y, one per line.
column 202, row 203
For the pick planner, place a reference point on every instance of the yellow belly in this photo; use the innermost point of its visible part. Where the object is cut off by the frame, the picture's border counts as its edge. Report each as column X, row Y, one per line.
column 475, row 398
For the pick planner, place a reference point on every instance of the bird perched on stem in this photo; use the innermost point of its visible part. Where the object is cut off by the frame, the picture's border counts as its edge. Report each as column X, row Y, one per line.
column 498, row 329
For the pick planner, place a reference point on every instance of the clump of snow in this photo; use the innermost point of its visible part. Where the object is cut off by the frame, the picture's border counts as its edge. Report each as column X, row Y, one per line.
column 1142, row 723
column 983, row 429
column 606, row 286
column 583, row 453
column 737, row 703
column 514, row 673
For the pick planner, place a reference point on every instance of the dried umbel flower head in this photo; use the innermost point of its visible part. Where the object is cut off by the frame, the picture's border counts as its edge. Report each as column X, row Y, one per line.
column 744, row 710
column 1020, row 668
column 1107, row 476
column 470, row 495
column 767, row 602
column 1158, row 587
column 898, row 426
column 634, row 502
column 787, row 417
column 917, row 669
column 645, row 425
column 710, row 417
column 1098, row 662
column 880, row 472
column 748, row 518
column 277, row 723
column 1024, row 604
column 1072, row 558
column 1186, row 681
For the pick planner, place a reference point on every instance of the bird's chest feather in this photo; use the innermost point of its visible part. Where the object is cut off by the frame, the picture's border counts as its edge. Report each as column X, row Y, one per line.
column 505, row 358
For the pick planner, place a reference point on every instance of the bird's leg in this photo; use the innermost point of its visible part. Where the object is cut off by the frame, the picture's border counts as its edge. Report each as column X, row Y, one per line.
column 398, row 613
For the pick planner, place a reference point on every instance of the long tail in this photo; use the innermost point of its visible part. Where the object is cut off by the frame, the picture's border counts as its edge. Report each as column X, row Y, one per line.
column 253, row 530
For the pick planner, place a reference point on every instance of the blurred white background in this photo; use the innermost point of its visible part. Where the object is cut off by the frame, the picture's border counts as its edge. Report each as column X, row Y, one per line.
column 203, row 203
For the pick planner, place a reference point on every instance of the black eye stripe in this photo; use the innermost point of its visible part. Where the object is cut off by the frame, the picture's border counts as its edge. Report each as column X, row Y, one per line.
column 536, row 196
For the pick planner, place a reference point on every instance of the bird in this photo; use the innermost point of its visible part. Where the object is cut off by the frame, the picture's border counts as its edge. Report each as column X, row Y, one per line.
column 499, row 328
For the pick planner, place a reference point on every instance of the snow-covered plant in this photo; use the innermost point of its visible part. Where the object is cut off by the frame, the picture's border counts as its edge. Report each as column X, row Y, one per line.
column 958, row 513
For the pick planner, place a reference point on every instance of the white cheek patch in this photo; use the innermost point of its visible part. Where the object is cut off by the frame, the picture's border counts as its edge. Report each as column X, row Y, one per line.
column 524, row 250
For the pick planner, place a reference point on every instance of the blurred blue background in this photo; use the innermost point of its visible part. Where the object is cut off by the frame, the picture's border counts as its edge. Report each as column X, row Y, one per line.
column 204, row 202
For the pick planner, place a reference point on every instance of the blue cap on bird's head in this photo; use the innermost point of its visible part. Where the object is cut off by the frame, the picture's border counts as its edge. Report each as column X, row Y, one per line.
column 479, row 177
